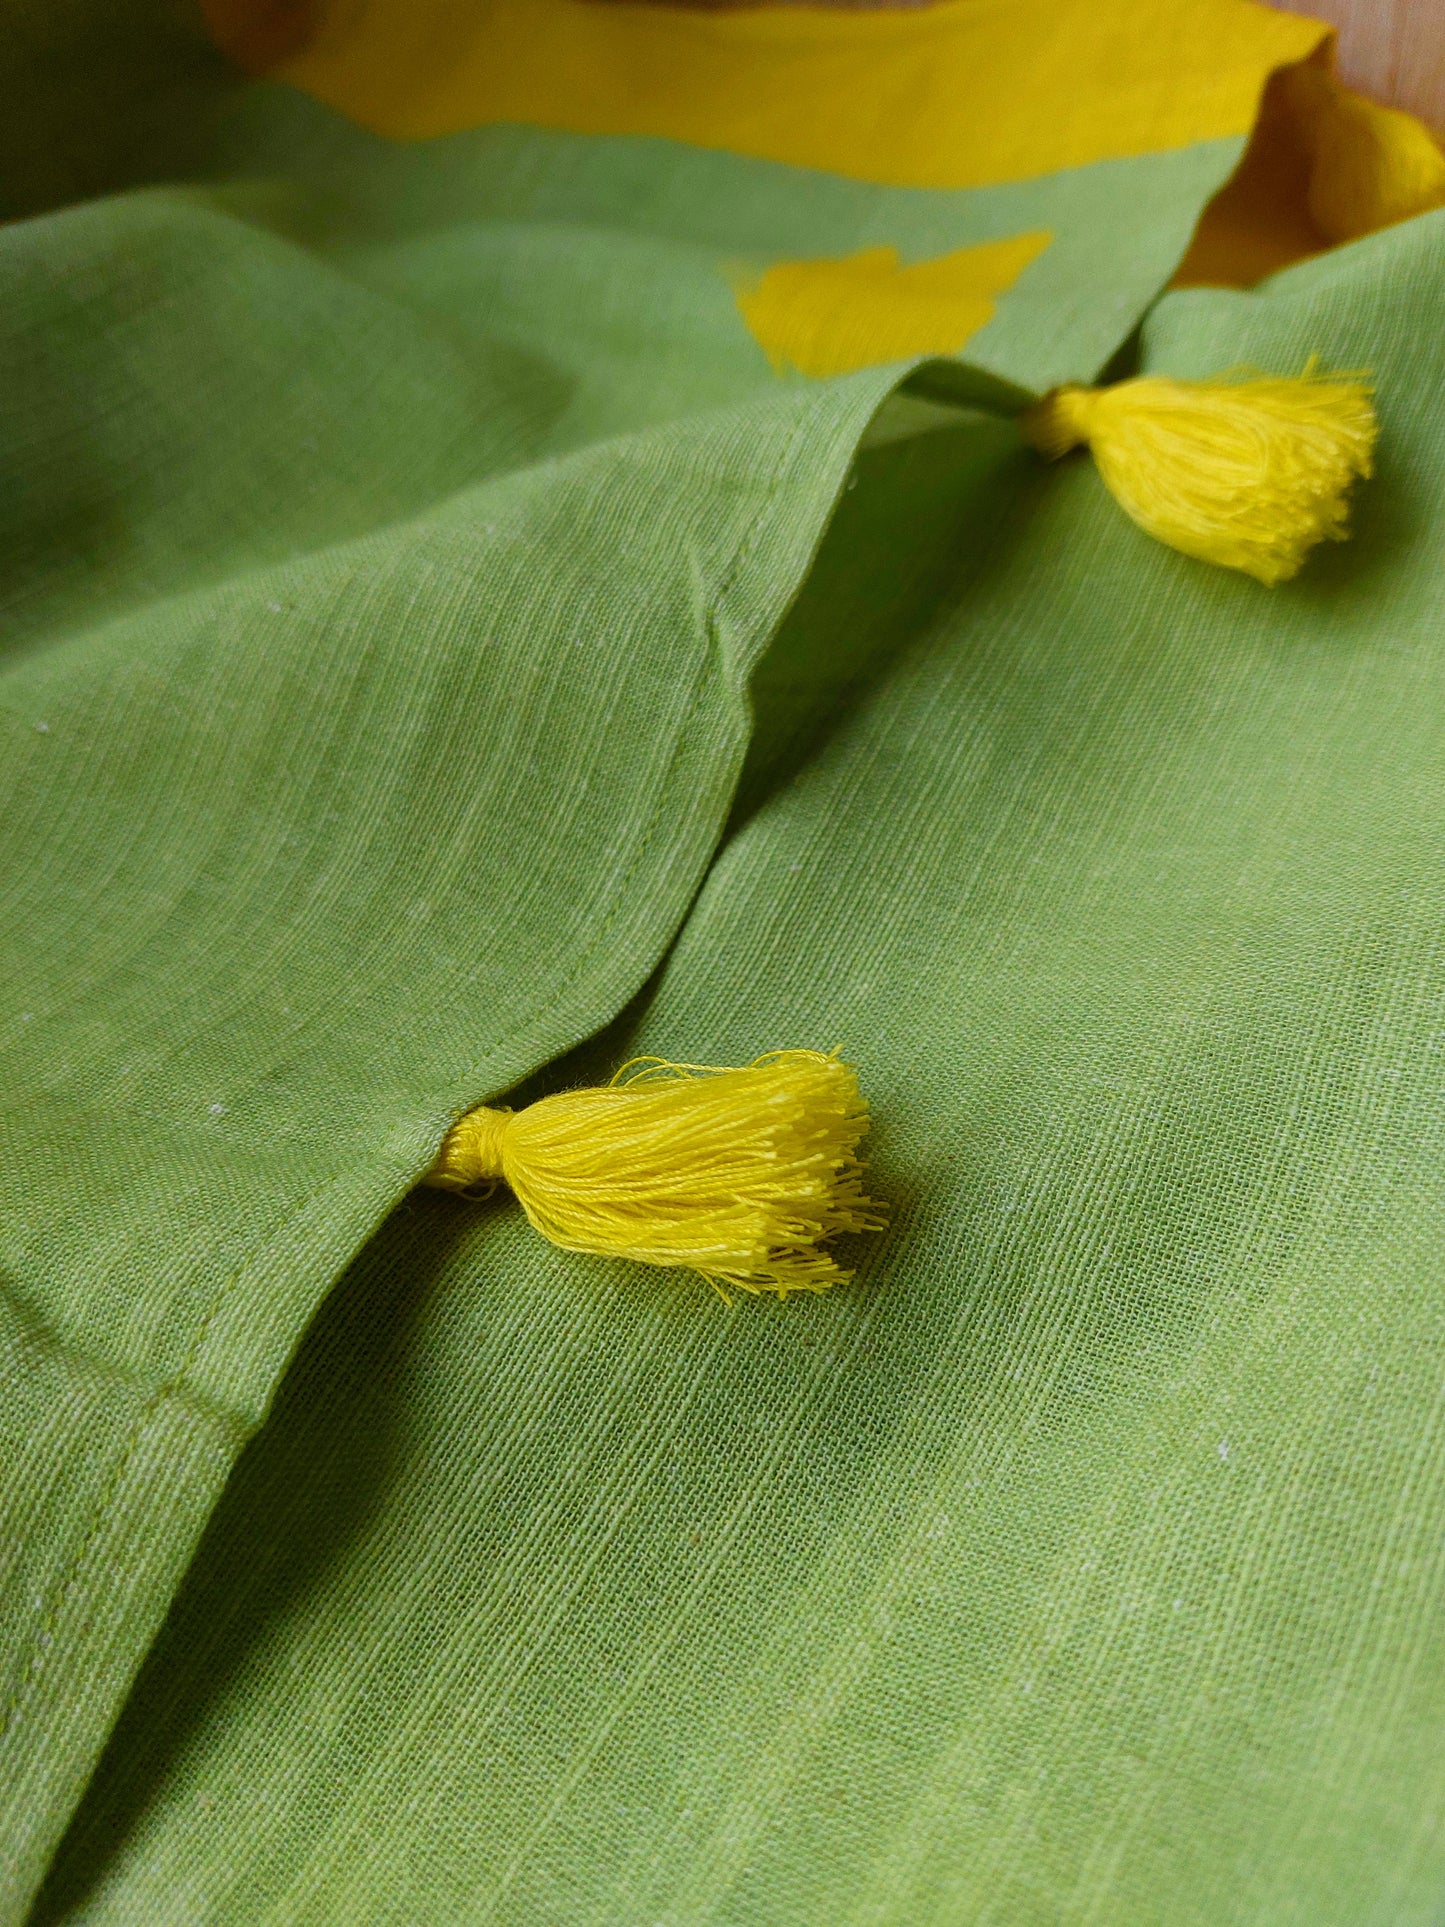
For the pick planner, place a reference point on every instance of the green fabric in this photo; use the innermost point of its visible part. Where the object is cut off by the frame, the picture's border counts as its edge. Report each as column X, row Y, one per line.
column 405, row 690
column 303, row 861
column 101, row 96
column 682, row 222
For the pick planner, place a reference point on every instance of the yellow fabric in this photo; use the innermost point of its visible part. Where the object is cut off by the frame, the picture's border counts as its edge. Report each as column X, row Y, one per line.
column 739, row 1174
column 966, row 94
column 829, row 317
column 1260, row 220
column 1324, row 165
column 1372, row 165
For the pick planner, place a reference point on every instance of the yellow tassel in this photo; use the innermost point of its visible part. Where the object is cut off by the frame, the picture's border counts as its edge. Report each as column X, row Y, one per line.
column 1249, row 472
column 741, row 1174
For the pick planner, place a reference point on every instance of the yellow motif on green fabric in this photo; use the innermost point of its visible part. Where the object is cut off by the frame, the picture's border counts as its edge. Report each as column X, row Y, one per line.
column 830, row 317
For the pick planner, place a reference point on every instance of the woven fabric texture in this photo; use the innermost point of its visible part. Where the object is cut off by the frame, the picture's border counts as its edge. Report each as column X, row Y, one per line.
column 431, row 668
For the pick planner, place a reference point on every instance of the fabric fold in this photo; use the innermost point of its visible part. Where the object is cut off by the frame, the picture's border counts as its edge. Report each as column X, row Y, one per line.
column 403, row 547
column 303, row 862
column 1096, row 1525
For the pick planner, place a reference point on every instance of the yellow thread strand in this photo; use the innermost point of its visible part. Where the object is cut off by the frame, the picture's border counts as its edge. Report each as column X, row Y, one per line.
column 1248, row 472
column 741, row 1174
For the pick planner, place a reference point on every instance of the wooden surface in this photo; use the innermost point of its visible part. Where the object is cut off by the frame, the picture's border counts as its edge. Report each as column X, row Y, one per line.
column 1393, row 50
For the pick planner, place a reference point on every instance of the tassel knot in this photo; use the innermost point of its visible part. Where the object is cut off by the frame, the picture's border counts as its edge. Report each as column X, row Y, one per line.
column 742, row 1174
column 473, row 1157
column 1064, row 420
column 1248, row 472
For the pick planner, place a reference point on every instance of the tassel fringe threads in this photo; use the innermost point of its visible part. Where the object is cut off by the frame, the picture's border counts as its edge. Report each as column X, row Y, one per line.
column 1248, row 472
column 741, row 1174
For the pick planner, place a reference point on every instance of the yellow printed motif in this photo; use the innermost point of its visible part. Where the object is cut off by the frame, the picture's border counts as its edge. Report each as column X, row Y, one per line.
column 970, row 93
column 830, row 317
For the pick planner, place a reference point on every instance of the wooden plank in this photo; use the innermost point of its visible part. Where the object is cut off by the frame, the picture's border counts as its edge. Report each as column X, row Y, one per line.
column 1393, row 50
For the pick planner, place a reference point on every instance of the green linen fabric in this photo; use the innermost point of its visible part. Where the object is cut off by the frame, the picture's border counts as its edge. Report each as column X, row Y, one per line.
column 382, row 584
column 301, row 861
column 405, row 680
column 1079, row 1563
